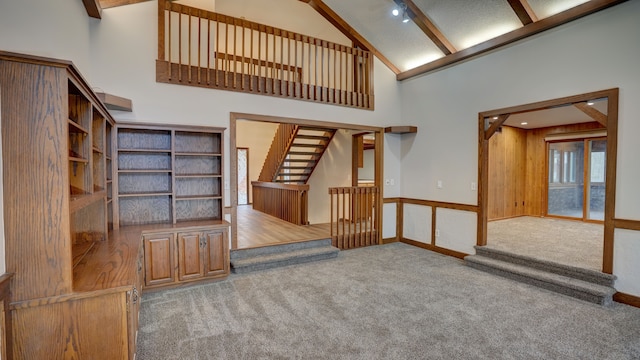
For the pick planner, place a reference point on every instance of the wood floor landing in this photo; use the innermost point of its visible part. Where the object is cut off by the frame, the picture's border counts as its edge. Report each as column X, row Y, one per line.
column 257, row 229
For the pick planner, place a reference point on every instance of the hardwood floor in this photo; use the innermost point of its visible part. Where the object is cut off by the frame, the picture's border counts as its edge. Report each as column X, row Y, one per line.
column 258, row 229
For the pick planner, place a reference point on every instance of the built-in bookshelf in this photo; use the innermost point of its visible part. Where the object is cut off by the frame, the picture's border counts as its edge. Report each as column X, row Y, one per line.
column 168, row 174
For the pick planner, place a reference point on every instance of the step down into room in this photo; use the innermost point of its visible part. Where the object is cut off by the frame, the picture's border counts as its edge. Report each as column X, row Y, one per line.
column 584, row 284
column 267, row 257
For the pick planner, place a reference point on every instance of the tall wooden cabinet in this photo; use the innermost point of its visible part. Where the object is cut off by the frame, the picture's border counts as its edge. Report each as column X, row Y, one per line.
column 74, row 290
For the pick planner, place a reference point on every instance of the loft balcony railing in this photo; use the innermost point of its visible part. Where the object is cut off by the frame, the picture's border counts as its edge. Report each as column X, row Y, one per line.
column 206, row 49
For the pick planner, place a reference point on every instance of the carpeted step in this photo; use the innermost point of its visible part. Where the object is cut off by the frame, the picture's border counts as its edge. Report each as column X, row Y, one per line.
column 267, row 257
column 588, row 275
column 580, row 289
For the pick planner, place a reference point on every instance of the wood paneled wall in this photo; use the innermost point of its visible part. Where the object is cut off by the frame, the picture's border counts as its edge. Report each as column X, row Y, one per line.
column 518, row 170
column 507, row 173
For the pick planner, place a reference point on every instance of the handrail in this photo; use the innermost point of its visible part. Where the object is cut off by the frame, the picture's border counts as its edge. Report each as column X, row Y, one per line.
column 288, row 202
column 355, row 216
column 207, row 49
column 277, row 151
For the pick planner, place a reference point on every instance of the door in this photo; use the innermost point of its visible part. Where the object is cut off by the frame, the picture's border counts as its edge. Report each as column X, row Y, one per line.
column 158, row 259
column 190, row 256
column 216, row 252
column 576, row 183
column 243, row 176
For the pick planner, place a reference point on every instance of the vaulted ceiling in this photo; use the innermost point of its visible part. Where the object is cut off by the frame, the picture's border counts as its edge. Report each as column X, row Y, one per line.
column 425, row 35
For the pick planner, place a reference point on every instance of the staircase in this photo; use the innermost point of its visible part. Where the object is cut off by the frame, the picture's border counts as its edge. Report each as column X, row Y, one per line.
column 267, row 257
column 584, row 284
column 302, row 156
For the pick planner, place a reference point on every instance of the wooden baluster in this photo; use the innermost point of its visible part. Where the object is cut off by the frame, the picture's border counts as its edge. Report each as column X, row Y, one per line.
column 180, row 44
column 170, row 36
column 189, row 45
column 199, row 46
column 225, row 65
column 161, row 30
column 281, row 62
column 273, row 65
column 251, row 66
column 235, row 54
column 309, row 71
column 217, row 48
column 259, row 60
column 243, row 62
column 208, row 50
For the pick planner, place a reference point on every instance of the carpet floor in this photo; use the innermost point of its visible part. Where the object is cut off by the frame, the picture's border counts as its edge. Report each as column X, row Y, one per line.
column 392, row 301
column 566, row 242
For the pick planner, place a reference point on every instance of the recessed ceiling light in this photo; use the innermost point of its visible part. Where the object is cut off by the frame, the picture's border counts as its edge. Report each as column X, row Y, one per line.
column 590, row 103
column 495, row 118
column 395, row 12
column 524, row 123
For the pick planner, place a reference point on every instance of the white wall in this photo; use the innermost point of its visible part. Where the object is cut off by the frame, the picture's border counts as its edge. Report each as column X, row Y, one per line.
column 50, row 28
column 597, row 52
column 367, row 171
column 333, row 170
column 257, row 136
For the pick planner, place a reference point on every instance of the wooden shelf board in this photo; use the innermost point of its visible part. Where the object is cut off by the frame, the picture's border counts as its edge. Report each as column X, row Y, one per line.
column 78, row 160
column 81, row 201
column 199, row 197
column 197, row 154
column 108, row 157
column 76, row 128
column 145, row 194
column 401, row 129
column 145, row 150
column 186, row 176
column 96, row 150
column 113, row 102
column 142, row 171
column 109, row 200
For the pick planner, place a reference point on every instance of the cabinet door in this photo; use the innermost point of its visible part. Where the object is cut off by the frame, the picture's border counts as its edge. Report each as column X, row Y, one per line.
column 216, row 253
column 158, row 259
column 190, row 264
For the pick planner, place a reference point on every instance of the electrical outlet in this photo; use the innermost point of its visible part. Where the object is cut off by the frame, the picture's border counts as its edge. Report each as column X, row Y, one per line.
column 393, row 182
column 387, row 182
column 474, row 186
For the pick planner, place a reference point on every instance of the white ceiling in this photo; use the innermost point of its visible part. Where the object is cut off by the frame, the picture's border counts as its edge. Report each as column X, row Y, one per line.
column 562, row 115
column 464, row 23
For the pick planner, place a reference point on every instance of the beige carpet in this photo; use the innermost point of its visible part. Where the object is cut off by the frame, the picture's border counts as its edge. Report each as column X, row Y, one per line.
column 383, row 302
column 567, row 242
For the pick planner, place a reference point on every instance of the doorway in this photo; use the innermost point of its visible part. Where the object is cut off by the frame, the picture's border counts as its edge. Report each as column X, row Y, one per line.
column 348, row 129
column 576, row 184
column 595, row 167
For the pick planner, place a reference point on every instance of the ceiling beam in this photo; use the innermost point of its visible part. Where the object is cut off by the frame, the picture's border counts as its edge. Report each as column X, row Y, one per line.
column 564, row 17
column 428, row 27
column 524, row 11
column 93, row 8
column 495, row 125
column 592, row 112
column 359, row 40
column 113, row 3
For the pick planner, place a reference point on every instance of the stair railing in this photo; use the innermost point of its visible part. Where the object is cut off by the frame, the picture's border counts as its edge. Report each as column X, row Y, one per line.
column 277, row 151
column 355, row 216
column 206, row 49
column 288, row 202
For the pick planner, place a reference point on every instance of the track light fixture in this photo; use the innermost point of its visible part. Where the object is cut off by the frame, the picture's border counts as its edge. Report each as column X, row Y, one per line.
column 405, row 15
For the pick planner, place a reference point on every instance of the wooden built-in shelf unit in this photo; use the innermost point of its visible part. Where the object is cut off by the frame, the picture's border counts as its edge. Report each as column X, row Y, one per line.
column 168, row 174
column 75, row 287
column 92, row 208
